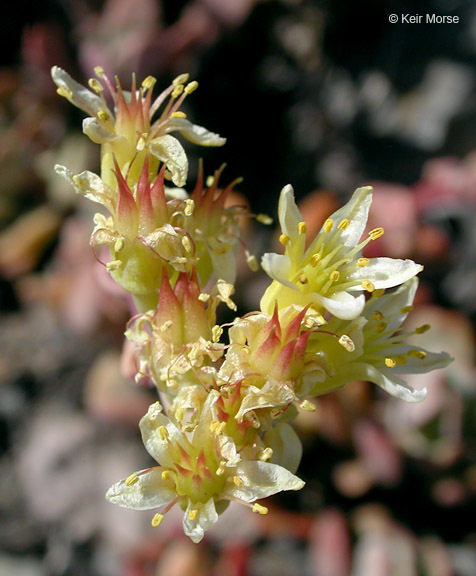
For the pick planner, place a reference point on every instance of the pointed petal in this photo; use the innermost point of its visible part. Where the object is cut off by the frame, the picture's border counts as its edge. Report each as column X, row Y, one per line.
column 418, row 365
column 80, row 95
column 286, row 446
column 278, row 267
column 147, row 492
column 155, row 439
column 342, row 304
column 288, row 212
column 386, row 272
column 206, row 516
column 391, row 383
column 96, row 132
column 391, row 305
column 262, row 479
column 194, row 133
column 88, row 185
column 169, row 150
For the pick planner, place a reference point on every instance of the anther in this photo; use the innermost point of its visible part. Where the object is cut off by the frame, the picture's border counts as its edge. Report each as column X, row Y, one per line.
column 406, row 309
column 221, row 468
column 327, row 227
column 191, row 87
column 422, row 329
column 98, row 71
column 363, row 262
column 251, row 261
column 210, row 181
column 189, row 207
column 148, row 82
column 132, row 479
column 95, row 85
column 390, row 363
column 156, row 520
column 334, row 275
column 103, row 116
column 163, row 433
column 381, row 326
column 264, row 219
column 284, row 239
column 308, row 406
column 367, row 285
column 192, row 513
column 165, row 474
column 379, row 292
column 265, row 454
column 420, row 354
column 217, row 331
column 178, row 114
column 187, row 244
column 400, row 359
column 347, row 343
column 302, row 228
column 377, row 315
column 259, row 509
column 237, row 481
column 204, row 297
column 181, row 79
column 303, row 279
column 343, row 224
column 113, row 265
column 177, row 91
column 376, row 233
column 315, row 259
column 64, row 92
column 118, row 245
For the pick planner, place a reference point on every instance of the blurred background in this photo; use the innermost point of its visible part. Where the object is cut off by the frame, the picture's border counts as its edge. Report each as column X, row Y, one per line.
column 326, row 95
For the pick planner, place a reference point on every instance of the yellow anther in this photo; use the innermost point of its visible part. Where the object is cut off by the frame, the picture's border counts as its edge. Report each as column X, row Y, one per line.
column 379, row 292
column 221, row 468
column 400, row 359
column 347, row 343
column 181, row 79
column 141, row 143
column 264, row 219
column 204, row 297
column 327, row 227
column 165, row 475
column 132, row 479
column 343, row 224
column 422, row 329
column 166, row 325
column 217, row 331
column 303, row 279
column 95, row 85
column 103, row 115
column 118, row 245
column 251, row 261
column 78, row 182
column 237, row 481
column 406, row 309
column 187, row 244
column 334, row 275
column 98, row 71
column 390, row 363
column 192, row 513
column 191, row 87
column 381, row 326
column 259, row 509
column 163, row 433
column 189, row 207
column 363, row 262
column 367, row 285
column 284, row 239
column 265, row 454
column 156, row 520
column 64, row 92
column 148, row 82
column 420, row 354
column 302, row 228
column 377, row 315
column 308, row 406
column 210, row 180
column 376, row 233
column 315, row 259
column 113, row 265
column 177, row 91
column 172, row 384
column 178, row 114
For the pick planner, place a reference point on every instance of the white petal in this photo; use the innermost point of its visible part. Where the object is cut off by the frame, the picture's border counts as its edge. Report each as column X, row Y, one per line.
column 155, row 439
column 342, row 304
column 286, row 446
column 278, row 267
column 262, row 479
column 89, row 185
column 96, row 132
column 169, row 150
column 431, row 361
column 391, row 305
column 288, row 213
column 391, row 383
column 386, row 272
column 194, row 133
column 206, row 516
column 80, row 96
column 149, row 491
column 224, row 265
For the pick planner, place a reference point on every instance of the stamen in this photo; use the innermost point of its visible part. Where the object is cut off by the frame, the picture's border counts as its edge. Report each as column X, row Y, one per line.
column 191, row 87
column 251, row 261
column 315, row 260
column 308, row 406
column 406, row 309
column 376, row 233
column 178, row 114
column 192, row 513
column 217, row 331
column 181, row 79
column 420, row 354
column 265, row 454
column 118, row 245
column 303, row 279
column 64, row 92
column 347, row 343
column 302, row 228
column 237, row 481
column 363, row 262
column 165, row 474
column 103, row 116
column 189, row 207
column 177, row 91
column 210, row 181
column 400, row 359
column 264, row 219
column 422, row 329
column 163, row 433
column 343, row 224
column 221, row 468
column 259, row 509
column 148, row 82
column 132, row 479
column 284, row 239
column 390, row 362
column 187, row 244
column 204, row 297
column 377, row 315
column 113, row 265
column 334, row 276
column 327, row 227
column 379, row 292
column 367, row 285
column 95, row 85
column 156, row 520
column 381, row 326
column 99, row 71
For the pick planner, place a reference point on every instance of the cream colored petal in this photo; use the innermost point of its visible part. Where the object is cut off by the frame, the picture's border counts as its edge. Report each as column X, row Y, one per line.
column 158, row 434
column 198, row 518
column 194, row 133
column 96, row 132
column 342, row 304
column 80, row 95
column 169, row 150
column 146, row 492
column 286, row 446
column 385, row 272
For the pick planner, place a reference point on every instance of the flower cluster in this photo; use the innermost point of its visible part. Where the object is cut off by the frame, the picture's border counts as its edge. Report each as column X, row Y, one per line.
column 221, row 429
